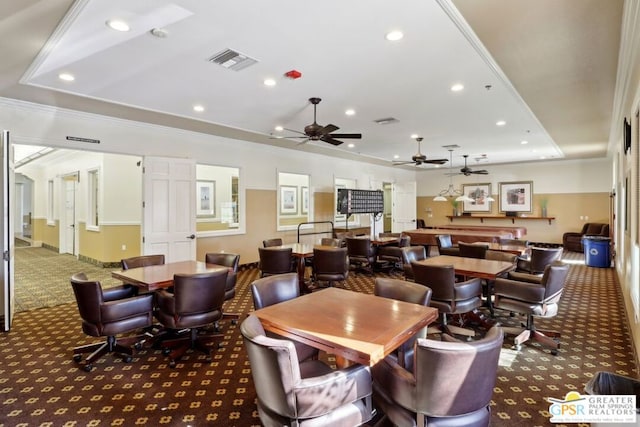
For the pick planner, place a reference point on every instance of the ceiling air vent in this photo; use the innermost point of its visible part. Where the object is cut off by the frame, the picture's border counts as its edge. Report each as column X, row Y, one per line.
column 232, row 60
column 386, row 121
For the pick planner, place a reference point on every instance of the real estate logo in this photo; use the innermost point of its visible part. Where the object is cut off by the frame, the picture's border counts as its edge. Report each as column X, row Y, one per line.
column 576, row 408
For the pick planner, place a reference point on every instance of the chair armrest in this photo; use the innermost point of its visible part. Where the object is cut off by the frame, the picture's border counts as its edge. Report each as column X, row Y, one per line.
column 525, row 277
column 467, row 289
column 523, row 291
column 395, row 381
column 118, row 292
column 346, row 385
column 129, row 307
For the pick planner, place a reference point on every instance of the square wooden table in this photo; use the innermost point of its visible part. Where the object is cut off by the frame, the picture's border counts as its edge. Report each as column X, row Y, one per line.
column 471, row 267
column 358, row 327
column 512, row 249
column 154, row 277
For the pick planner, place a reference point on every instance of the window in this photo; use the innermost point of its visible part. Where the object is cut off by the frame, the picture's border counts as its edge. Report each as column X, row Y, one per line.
column 219, row 200
column 50, row 205
column 293, row 200
column 93, row 210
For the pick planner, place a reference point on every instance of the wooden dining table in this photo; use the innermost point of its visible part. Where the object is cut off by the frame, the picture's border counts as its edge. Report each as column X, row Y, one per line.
column 471, row 267
column 358, row 327
column 512, row 249
column 153, row 277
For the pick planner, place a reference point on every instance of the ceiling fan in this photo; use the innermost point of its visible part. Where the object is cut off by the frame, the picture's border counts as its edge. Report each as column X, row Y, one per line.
column 316, row 132
column 420, row 158
column 467, row 171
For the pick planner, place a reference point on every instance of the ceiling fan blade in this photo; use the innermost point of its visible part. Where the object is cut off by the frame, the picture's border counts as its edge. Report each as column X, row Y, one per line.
column 436, row 161
column 328, row 129
column 347, row 135
column 330, row 140
column 480, row 172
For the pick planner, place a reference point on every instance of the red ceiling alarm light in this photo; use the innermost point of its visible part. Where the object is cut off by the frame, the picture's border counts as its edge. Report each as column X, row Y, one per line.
column 293, row 74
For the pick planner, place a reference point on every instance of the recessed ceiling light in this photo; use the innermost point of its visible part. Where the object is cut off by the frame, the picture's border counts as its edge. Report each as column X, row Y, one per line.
column 414, row 135
column 394, row 36
column 457, row 87
column 395, row 156
column 279, row 128
column 198, row 108
column 524, row 142
column 118, row 25
column 501, row 123
column 543, row 157
column 66, row 77
column 351, row 145
column 350, row 112
column 269, row 82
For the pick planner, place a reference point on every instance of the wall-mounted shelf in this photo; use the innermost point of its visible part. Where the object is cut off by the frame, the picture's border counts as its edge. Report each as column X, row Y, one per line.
column 512, row 218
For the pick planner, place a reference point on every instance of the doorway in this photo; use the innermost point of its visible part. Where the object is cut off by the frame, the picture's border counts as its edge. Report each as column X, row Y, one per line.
column 68, row 218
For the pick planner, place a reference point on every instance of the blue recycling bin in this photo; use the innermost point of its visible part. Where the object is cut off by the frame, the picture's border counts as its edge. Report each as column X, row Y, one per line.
column 597, row 251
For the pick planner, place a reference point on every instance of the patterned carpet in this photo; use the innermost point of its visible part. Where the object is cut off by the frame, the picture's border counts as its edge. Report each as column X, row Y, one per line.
column 40, row 385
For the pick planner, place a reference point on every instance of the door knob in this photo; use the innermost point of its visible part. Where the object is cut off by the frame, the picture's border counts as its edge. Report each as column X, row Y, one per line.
column 192, row 236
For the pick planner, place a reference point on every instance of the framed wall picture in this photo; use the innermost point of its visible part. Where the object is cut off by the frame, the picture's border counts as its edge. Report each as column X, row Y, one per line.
column 479, row 193
column 304, row 200
column 288, row 200
column 516, row 196
column 206, row 198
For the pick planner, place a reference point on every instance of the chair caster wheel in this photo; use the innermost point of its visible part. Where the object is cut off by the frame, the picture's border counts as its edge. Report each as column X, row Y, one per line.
column 554, row 352
column 87, row 368
column 77, row 358
column 172, row 363
column 127, row 359
column 166, row 351
column 137, row 346
column 234, row 321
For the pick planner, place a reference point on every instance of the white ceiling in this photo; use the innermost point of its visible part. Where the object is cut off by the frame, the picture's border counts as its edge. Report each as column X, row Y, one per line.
column 547, row 68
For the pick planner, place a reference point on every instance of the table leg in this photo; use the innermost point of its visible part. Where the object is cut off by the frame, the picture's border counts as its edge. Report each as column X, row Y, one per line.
column 304, row 289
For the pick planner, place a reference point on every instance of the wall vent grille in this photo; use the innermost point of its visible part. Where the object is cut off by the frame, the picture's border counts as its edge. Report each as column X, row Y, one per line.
column 232, row 60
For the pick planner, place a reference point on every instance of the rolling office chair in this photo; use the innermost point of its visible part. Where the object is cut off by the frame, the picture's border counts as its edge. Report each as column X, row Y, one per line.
column 330, row 265
column 275, row 261
column 231, row 261
column 409, row 254
column 446, row 246
column 107, row 313
column 195, row 303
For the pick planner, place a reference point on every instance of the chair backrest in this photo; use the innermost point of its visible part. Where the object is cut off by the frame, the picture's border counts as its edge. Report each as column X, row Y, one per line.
column 595, row 229
column 501, row 256
column 329, row 241
column 275, row 260
column 274, row 289
column 223, row 258
column 200, row 293
column 413, row 253
column 553, row 279
column 405, row 241
column 471, row 250
column 359, row 247
column 142, row 261
column 439, row 278
column 420, row 223
column 330, row 261
column 455, row 378
column 402, row 290
column 268, row 243
column 88, row 295
column 444, row 241
column 541, row 257
column 274, row 368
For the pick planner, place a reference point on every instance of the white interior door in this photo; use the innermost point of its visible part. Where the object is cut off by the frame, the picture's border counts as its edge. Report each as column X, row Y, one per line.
column 7, row 186
column 169, row 225
column 403, row 207
column 69, row 216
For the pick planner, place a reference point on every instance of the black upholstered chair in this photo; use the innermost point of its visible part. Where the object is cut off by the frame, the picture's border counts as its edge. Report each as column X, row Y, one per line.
column 232, row 262
column 296, row 393
column 572, row 241
column 446, row 246
column 533, row 296
column 449, row 297
column 487, row 285
column 330, row 265
column 420, row 223
column 472, row 250
column 537, row 259
column 195, row 303
column 108, row 313
column 414, row 293
column 141, row 261
column 269, row 243
column 275, row 260
column 393, row 253
column 450, row 383
column 273, row 290
column 362, row 254
column 409, row 254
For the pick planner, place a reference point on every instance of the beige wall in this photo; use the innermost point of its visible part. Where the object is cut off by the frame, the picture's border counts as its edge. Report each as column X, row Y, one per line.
column 566, row 208
column 105, row 246
column 47, row 234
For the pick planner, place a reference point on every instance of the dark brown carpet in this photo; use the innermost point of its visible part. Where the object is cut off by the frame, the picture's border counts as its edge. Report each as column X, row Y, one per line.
column 40, row 385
